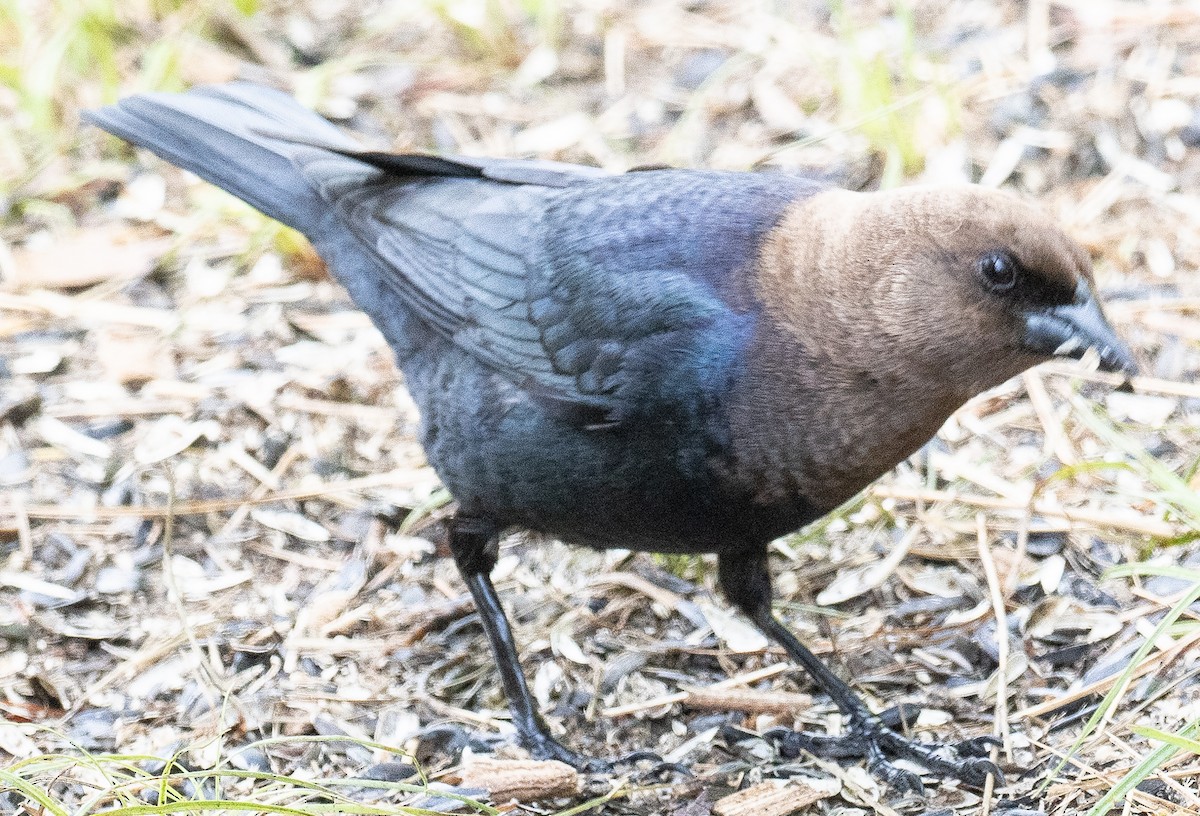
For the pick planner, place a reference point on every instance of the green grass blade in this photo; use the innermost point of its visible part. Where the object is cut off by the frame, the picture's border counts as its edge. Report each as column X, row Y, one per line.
column 31, row 792
column 1175, row 492
column 1142, row 770
column 1118, row 690
column 1180, row 740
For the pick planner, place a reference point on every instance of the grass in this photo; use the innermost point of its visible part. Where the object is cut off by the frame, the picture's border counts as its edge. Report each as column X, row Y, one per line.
column 881, row 92
column 1181, row 501
column 878, row 89
column 125, row 785
column 60, row 56
column 892, row 94
column 500, row 30
column 1096, row 727
column 82, row 783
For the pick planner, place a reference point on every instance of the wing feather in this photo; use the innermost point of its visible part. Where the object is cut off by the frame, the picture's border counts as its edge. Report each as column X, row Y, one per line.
column 598, row 292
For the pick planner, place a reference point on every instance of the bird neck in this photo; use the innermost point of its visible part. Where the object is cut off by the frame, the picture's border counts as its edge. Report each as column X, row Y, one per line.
column 805, row 427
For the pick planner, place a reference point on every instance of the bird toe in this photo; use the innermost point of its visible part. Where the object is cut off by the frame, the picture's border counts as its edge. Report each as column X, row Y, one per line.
column 977, row 746
column 881, row 746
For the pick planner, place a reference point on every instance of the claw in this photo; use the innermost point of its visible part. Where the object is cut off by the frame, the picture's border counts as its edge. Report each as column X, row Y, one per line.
column 634, row 757
column 900, row 717
column 978, row 746
column 901, row 781
column 975, row 771
column 550, row 749
column 658, row 770
column 879, row 744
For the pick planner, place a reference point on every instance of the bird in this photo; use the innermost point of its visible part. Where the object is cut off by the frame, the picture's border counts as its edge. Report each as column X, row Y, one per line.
column 662, row 360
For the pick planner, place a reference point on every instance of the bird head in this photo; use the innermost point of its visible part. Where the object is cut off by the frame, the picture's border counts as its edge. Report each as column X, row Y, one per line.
column 964, row 285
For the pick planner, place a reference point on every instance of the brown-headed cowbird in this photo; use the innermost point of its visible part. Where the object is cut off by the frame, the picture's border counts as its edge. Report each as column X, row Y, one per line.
column 665, row 360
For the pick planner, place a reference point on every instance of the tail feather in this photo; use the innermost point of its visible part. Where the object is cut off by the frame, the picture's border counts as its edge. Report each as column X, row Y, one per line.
column 251, row 141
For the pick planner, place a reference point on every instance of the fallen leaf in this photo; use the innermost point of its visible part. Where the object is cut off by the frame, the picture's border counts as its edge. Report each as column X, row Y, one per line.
column 131, row 355
column 291, row 523
column 737, row 634
column 86, row 257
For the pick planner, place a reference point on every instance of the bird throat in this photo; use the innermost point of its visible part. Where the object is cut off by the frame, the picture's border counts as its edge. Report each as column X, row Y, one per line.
column 820, row 430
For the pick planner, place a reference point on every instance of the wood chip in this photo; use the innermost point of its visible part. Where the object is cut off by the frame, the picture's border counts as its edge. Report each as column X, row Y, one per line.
column 752, row 702
column 772, row 798
column 525, row 780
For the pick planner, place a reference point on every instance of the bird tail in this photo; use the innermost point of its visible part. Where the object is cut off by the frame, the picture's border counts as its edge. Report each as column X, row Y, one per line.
column 254, row 142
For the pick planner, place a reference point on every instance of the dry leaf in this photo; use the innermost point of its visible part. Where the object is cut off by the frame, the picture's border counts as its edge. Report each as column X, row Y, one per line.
column 86, row 257
column 736, row 633
column 132, row 355
column 524, row 780
column 852, row 583
column 172, row 435
column 1145, row 409
column 562, row 641
column 15, row 741
column 60, row 435
column 291, row 523
column 39, row 360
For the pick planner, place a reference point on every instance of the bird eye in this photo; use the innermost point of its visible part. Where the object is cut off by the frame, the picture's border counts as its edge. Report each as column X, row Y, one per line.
column 999, row 271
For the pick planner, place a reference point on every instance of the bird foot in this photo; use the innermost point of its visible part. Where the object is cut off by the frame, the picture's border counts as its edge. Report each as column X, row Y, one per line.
column 880, row 745
column 551, row 749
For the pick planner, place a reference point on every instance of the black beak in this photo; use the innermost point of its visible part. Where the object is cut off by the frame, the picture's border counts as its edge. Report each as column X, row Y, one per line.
column 1070, row 330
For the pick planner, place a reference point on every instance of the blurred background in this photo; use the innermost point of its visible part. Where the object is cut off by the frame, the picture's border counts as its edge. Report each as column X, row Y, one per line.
column 1087, row 106
column 164, row 346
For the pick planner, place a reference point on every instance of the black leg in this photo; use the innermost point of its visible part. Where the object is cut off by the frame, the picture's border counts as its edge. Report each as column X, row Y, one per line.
column 473, row 543
column 747, row 583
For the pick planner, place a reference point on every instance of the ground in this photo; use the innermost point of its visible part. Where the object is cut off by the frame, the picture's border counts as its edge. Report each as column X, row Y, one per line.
column 220, row 545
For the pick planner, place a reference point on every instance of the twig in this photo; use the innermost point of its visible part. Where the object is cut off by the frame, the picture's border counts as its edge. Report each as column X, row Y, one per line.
column 664, row 597
column 747, row 700
column 52, row 304
column 1141, row 525
column 332, row 408
column 175, row 596
column 1141, row 385
column 1152, row 662
column 119, row 408
column 1057, row 441
column 682, row 696
column 395, row 478
column 265, row 486
column 997, row 596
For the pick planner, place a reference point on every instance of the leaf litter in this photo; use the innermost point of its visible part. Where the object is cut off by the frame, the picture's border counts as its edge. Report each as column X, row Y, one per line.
column 187, row 400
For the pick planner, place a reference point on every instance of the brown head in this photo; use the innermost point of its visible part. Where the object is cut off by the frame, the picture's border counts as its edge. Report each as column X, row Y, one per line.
column 963, row 285
column 885, row 312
